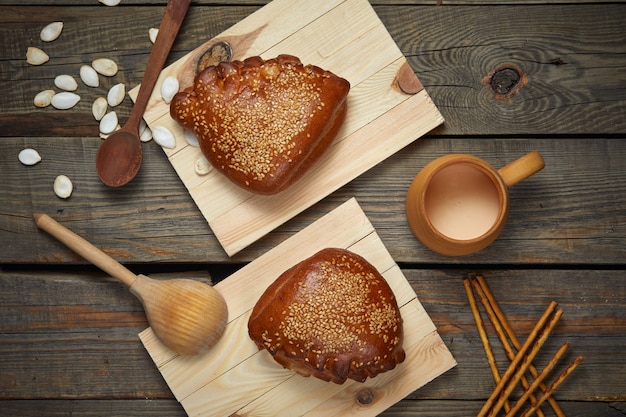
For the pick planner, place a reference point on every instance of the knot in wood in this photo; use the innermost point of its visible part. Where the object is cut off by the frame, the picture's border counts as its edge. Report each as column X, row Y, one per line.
column 505, row 80
column 216, row 53
column 365, row 396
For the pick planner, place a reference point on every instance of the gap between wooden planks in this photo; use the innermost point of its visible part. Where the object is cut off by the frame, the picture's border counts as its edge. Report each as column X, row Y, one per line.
column 234, row 376
column 345, row 37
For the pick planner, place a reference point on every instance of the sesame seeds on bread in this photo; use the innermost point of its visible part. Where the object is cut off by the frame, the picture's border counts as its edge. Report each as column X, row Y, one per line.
column 263, row 123
column 332, row 316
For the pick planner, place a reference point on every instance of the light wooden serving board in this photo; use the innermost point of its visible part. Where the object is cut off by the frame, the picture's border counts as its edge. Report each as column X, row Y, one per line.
column 234, row 377
column 388, row 108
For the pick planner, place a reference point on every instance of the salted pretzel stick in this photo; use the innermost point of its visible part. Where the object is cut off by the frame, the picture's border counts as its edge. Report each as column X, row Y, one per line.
column 495, row 321
column 561, row 378
column 506, row 378
column 544, row 373
column 516, row 344
column 483, row 335
column 526, row 363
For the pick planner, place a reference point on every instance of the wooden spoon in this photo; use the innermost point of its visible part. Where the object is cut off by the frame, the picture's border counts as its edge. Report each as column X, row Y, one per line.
column 187, row 316
column 119, row 157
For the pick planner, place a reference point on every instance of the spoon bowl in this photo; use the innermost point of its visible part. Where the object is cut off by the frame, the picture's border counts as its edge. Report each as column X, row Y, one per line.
column 187, row 316
column 200, row 310
column 120, row 155
column 119, row 158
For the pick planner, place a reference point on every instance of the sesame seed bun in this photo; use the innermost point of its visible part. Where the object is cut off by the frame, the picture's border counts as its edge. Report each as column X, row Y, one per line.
column 263, row 123
column 331, row 316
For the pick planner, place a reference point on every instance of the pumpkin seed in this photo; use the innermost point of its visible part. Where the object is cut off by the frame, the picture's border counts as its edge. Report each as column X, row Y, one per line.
column 89, row 76
column 29, row 156
column 164, row 137
column 153, row 32
column 44, row 98
column 202, row 166
column 35, row 56
column 169, row 88
column 65, row 82
column 63, row 186
column 116, row 94
column 191, row 138
column 105, row 66
column 110, row 2
column 51, row 31
column 108, row 123
column 145, row 133
column 65, row 100
column 99, row 108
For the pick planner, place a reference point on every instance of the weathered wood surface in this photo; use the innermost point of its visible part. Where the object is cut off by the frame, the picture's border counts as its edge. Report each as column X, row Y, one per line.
column 169, row 408
column 73, row 335
column 68, row 334
column 573, row 65
column 572, row 103
column 572, row 212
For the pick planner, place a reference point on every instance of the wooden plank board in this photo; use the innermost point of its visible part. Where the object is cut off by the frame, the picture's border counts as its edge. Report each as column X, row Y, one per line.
column 388, row 108
column 235, row 377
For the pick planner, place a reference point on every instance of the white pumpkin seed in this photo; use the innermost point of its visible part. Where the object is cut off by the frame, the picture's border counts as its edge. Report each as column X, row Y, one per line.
column 29, row 156
column 169, row 87
column 35, row 56
column 164, row 137
column 99, row 108
column 65, row 100
column 89, row 76
column 51, row 31
column 65, row 82
column 145, row 133
column 202, row 166
column 105, row 66
column 108, row 123
column 110, row 2
column 191, row 138
column 116, row 94
column 44, row 98
column 153, row 33
column 63, row 186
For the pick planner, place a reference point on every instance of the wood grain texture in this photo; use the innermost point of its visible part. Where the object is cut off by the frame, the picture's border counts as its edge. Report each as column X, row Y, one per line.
column 574, row 67
column 68, row 335
column 89, row 325
column 555, row 216
column 381, row 119
column 564, row 60
column 170, row 408
column 235, row 377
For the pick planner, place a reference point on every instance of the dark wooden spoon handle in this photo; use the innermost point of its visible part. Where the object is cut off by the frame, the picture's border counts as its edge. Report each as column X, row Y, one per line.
column 172, row 20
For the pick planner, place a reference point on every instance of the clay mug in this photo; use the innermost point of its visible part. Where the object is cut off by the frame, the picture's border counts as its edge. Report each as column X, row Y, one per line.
column 458, row 204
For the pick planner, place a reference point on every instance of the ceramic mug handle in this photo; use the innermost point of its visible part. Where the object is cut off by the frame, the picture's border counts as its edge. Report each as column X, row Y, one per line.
column 522, row 168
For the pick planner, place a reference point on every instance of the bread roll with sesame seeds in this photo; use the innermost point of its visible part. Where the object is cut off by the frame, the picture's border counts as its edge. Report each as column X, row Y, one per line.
column 331, row 316
column 263, row 123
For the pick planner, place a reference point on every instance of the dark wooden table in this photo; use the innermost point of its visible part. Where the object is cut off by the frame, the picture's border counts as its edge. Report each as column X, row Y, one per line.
column 68, row 333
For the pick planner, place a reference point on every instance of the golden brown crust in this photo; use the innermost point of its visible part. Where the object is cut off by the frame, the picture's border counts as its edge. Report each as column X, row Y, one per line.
column 263, row 123
column 332, row 316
